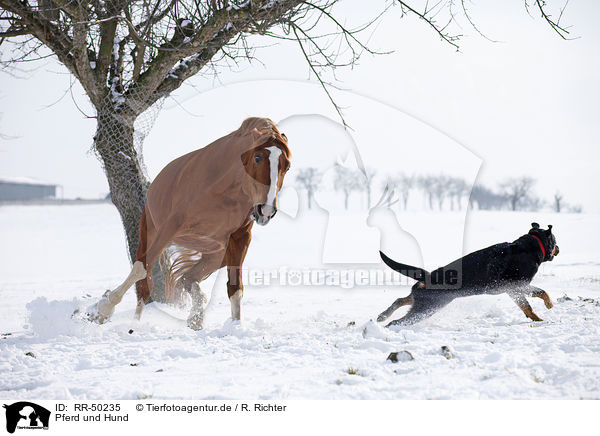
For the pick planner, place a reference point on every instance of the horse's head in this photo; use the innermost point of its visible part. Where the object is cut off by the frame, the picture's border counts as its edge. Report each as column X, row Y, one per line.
column 267, row 164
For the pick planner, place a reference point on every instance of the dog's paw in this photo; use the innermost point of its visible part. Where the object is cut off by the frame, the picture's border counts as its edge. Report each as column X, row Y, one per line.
column 382, row 317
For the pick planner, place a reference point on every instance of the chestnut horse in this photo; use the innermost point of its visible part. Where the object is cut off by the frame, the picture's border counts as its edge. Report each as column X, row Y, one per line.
column 204, row 204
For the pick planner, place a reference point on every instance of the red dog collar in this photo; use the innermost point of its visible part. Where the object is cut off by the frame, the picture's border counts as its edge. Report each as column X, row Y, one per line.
column 541, row 246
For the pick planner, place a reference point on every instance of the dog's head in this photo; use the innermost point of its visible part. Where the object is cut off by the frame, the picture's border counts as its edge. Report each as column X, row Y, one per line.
column 547, row 239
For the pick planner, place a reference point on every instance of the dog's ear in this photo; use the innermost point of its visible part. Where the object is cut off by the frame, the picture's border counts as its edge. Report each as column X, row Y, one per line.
column 549, row 229
column 535, row 226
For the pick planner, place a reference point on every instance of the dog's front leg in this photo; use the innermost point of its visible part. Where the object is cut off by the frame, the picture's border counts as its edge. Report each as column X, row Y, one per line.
column 540, row 293
column 525, row 307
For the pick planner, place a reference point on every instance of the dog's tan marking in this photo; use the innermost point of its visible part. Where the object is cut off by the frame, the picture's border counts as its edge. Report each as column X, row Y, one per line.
column 544, row 296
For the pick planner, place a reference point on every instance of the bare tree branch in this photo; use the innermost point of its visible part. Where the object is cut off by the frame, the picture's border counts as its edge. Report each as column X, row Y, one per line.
column 554, row 24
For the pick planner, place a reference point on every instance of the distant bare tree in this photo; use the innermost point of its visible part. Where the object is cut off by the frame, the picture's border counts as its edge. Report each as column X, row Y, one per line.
column 309, row 179
column 427, row 185
column 404, row 185
column 440, row 188
column 486, row 199
column 369, row 176
column 577, row 208
column 347, row 181
column 558, row 202
column 457, row 189
column 517, row 190
column 532, row 203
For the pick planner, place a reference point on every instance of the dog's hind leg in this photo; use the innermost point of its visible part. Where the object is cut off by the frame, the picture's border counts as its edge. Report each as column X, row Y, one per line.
column 419, row 311
column 403, row 301
column 540, row 293
column 525, row 307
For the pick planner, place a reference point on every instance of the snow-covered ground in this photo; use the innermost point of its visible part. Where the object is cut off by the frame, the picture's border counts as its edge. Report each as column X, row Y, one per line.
column 311, row 342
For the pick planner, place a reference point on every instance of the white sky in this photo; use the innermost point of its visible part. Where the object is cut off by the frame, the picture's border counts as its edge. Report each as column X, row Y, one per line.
column 526, row 105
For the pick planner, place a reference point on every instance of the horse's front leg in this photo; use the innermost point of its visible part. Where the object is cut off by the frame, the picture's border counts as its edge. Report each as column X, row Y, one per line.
column 234, row 257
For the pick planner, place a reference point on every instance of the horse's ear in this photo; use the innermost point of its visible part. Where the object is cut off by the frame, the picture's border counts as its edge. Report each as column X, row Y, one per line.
column 535, row 226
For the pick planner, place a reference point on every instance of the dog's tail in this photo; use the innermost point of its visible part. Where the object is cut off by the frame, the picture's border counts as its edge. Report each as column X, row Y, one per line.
column 413, row 272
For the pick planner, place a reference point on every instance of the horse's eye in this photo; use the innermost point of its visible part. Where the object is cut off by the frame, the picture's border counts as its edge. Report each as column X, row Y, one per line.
column 257, row 158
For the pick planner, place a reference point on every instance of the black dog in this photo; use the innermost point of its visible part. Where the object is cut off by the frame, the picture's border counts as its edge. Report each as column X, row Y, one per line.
column 506, row 267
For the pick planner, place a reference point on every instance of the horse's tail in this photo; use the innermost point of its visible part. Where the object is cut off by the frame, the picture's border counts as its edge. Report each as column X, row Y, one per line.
column 414, row 272
column 182, row 262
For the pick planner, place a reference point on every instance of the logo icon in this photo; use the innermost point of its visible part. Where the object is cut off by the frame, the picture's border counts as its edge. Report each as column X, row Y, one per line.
column 26, row 415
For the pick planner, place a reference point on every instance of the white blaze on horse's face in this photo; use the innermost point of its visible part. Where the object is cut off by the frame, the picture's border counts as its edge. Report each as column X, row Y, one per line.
column 268, row 210
column 274, row 169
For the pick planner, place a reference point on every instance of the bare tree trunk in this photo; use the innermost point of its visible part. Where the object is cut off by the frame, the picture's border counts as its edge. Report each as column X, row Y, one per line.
column 309, row 198
column 115, row 144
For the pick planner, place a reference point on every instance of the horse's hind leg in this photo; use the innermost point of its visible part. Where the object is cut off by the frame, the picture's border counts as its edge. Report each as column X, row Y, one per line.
column 195, row 320
column 404, row 301
column 144, row 286
column 143, row 291
column 208, row 264
column 151, row 245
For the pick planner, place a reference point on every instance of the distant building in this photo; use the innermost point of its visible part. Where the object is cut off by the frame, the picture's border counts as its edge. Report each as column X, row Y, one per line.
column 25, row 189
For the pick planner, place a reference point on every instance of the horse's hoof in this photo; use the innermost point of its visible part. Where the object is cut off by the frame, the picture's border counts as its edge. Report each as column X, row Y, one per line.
column 195, row 322
column 92, row 315
column 101, row 311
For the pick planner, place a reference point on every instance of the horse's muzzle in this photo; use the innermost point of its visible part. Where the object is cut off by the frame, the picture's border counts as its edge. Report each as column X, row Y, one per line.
column 262, row 213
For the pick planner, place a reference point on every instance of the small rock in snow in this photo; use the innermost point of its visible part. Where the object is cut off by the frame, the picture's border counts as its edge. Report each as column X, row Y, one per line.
column 30, row 354
column 446, row 352
column 400, row 356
